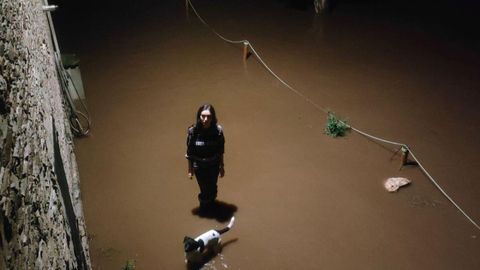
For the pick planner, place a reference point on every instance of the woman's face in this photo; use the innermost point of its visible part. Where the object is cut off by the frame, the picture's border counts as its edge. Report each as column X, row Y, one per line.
column 206, row 118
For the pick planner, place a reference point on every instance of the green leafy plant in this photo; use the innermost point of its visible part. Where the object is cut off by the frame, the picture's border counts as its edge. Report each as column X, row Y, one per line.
column 335, row 127
column 129, row 265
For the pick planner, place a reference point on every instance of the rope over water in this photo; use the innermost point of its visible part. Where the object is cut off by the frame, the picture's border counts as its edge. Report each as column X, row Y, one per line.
column 320, row 108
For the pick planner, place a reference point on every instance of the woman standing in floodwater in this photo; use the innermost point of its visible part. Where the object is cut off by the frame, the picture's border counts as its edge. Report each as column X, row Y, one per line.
column 205, row 148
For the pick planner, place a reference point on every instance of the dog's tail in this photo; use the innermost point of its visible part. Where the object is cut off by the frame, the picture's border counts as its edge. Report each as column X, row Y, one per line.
column 229, row 226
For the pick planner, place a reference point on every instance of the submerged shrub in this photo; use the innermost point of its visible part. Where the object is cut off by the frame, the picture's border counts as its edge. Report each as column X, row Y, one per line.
column 129, row 265
column 335, row 127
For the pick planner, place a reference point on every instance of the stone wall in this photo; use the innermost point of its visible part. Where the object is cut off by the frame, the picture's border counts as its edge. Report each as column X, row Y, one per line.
column 36, row 230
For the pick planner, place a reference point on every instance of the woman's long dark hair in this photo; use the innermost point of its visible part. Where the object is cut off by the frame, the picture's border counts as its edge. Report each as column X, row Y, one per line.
column 206, row 107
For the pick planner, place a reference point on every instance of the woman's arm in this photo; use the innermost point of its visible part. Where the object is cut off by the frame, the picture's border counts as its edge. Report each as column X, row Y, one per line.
column 190, row 169
column 222, row 167
column 221, row 150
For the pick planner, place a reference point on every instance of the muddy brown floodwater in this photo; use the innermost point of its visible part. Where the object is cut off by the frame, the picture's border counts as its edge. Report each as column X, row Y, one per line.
column 303, row 200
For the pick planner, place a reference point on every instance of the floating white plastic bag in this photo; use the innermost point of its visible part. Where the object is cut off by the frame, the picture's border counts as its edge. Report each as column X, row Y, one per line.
column 392, row 184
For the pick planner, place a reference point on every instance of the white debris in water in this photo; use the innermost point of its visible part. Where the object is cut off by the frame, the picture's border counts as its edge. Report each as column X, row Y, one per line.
column 211, row 264
column 222, row 260
column 392, row 184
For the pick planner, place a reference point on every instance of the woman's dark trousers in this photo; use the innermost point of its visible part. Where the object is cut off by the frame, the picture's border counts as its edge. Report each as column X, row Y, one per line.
column 207, row 181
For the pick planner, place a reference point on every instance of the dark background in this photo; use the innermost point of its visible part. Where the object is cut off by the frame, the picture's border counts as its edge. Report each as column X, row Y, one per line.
column 453, row 20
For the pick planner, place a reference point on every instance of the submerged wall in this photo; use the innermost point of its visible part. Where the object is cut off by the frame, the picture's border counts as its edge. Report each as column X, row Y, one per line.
column 41, row 227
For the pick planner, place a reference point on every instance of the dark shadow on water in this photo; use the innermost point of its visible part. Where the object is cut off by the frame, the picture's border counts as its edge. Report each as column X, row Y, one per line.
column 220, row 211
column 208, row 257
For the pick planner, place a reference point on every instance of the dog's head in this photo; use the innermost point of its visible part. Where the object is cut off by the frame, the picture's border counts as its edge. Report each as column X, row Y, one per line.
column 189, row 244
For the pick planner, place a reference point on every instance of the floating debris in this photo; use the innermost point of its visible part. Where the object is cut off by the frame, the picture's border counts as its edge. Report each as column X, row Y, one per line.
column 392, row 184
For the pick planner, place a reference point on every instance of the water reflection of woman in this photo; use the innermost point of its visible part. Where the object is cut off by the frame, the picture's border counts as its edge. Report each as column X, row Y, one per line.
column 205, row 148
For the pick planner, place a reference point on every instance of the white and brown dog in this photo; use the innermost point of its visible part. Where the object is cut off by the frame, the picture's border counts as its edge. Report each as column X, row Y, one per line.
column 205, row 245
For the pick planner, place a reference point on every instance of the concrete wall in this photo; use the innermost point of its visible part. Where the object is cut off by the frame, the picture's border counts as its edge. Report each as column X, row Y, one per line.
column 37, row 231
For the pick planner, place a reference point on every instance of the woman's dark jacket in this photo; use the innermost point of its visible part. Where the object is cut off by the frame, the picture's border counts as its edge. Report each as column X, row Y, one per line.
column 205, row 147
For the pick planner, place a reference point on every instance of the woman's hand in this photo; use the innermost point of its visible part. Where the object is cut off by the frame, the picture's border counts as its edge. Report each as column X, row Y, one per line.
column 222, row 171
